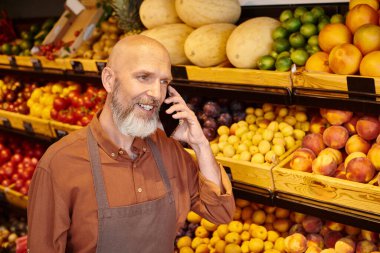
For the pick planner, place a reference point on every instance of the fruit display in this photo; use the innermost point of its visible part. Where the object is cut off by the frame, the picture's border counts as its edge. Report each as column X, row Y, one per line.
column 18, row 160
column 13, row 229
column 27, row 38
column 341, row 144
column 268, row 229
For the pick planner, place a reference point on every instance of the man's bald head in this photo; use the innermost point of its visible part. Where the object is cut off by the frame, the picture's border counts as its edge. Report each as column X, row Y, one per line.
column 126, row 48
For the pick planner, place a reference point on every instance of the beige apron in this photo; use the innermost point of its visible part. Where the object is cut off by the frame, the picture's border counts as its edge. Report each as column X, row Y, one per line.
column 144, row 227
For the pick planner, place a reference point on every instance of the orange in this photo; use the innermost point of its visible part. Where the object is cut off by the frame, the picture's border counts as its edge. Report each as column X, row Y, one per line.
column 367, row 38
column 370, row 65
column 373, row 3
column 360, row 15
column 332, row 35
column 345, row 59
column 318, row 62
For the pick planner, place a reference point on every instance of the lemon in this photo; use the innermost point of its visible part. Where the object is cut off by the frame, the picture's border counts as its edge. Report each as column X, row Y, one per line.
column 201, row 232
column 220, row 246
column 184, row 241
column 235, row 226
column 202, row 248
column 186, row 250
column 196, row 242
column 232, row 237
column 256, row 245
column 193, row 217
column 232, row 248
column 285, row 15
column 208, row 225
column 266, row 62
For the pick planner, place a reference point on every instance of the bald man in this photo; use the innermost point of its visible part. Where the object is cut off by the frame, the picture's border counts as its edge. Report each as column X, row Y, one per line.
column 120, row 184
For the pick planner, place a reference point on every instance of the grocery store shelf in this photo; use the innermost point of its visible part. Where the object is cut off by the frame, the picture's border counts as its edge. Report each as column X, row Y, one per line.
column 253, row 193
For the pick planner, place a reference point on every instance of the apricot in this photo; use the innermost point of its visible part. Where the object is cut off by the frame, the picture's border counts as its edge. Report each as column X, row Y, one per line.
column 335, row 137
column 324, row 165
column 295, row 243
column 357, row 144
column 345, row 245
column 369, row 235
column 351, row 125
column 368, row 127
column 313, row 141
column 317, row 124
column 374, row 155
column 352, row 156
column 302, row 160
column 336, row 117
column 312, row 224
column 360, row 169
column 315, row 240
column 365, row 246
column 313, row 249
column 335, row 153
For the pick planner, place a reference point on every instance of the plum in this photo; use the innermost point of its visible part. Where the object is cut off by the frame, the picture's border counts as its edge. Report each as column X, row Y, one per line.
column 238, row 116
column 210, row 123
column 236, row 106
column 225, row 119
column 211, row 109
column 209, row 133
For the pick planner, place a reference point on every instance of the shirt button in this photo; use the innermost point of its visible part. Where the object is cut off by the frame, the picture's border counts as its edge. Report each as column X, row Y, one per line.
column 121, row 152
column 139, row 189
column 113, row 154
column 144, row 149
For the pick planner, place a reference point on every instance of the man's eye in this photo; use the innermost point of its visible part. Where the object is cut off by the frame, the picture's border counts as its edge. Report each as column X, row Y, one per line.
column 143, row 78
column 165, row 82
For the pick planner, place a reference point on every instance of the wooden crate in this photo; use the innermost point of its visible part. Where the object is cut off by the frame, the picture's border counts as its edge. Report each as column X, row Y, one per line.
column 25, row 123
column 348, row 194
column 13, row 197
column 60, row 129
column 4, row 59
column 333, row 85
column 234, row 76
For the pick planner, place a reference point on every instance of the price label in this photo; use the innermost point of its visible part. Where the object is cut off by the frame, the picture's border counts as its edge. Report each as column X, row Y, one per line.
column 36, row 64
column 100, row 66
column 28, row 127
column 12, row 61
column 179, row 72
column 363, row 85
column 6, row 123
column 77, row 67
column 60, row 133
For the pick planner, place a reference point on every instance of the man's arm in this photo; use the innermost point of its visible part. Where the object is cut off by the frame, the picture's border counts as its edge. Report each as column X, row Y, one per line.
column 47, row 216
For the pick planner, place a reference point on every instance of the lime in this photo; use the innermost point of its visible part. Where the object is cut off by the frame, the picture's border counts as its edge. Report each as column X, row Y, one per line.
column 6, row 48
column 34, row 29
column 37, row 43
column 297, row 40
column 322, row 24
column 315, row 49
column 280, row 45
column 26, row 35
column 313, row 40
column 308, row 30
column 324, row 17
column 292, row 24
column 286, row 14
column 15, row 50
column 283, row 64
column 299, row 56
column 283, row 54
column 318, row 11
column 48, row 24
column 274, row 54
column 299, row 11
column 308, row 17
column 27, row 52
column 266, row 62
column 279, row 32
column 337, row 18
column 25, row 44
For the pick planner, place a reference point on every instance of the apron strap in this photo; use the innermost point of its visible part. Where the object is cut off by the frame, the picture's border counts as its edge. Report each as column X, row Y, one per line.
column 161, row 168
column 100, row 191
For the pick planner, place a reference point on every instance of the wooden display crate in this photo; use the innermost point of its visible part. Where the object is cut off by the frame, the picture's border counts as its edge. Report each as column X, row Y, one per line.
column 4, row 59
column 13, row 197
column 345, row 193
column 60, row 129
column 337, row 86
column 25, row 123
column 234, row 76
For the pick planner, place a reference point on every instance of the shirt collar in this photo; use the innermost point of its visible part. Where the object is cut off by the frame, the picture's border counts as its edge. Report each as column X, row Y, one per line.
column 139, row 145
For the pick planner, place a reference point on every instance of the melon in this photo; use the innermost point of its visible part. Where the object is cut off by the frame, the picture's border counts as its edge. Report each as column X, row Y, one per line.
column 172, row 37
column 251, row 40
column 206, row 45
column 197, row 13
column 158, row 12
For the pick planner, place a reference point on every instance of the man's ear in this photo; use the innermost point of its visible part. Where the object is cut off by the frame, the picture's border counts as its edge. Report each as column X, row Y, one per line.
column 108, row 79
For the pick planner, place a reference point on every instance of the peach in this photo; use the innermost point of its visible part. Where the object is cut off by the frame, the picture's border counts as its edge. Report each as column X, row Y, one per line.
column 314, row 142
column 324, row 231
column 331, row 238
column 301, row 164
column 313, row 249
column 329, row 251
column 351, row 125
column 324, row 165
column 269, row 209
column 334, row 226
column 351, row 230
column 352, row 156
column 357, row 144
column 297, row 228
column 315, row 240
column 340, row 172
column 335, row 137
column 305, row 152
column 378, row 139
column 345, row 245
column 360, row 169
column 297, row 217
column 369, row 235
column 317, row 125
column 282, row 225
column 295, row 243
column 365, row 247
column 336, row 117
column 335, row 153
column 374, row 155
column 368, row 127
column 312, row 224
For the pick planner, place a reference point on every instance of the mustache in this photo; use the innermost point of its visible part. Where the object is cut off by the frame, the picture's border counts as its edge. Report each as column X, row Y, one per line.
column 148, row 101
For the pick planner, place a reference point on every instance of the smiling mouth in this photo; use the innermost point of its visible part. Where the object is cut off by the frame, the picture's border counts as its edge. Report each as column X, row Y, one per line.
column 146, row 107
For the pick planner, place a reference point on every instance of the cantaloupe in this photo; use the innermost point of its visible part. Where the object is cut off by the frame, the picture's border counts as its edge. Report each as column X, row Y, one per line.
column 206, row 45
column 251, row 40
column 197, row 13
column 173, row 37
column 158, row 12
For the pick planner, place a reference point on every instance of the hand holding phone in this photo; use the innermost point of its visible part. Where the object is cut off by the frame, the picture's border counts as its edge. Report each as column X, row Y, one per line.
column 167, row 121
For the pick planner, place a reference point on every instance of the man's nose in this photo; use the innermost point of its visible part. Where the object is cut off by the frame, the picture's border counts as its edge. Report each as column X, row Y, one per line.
column 155, row 91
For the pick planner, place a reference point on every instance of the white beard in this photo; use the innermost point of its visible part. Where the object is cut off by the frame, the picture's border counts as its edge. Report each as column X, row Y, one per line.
column 136, row 126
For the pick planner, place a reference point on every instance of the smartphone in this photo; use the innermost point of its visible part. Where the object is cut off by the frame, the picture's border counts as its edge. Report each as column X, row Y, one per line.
column 167, row 121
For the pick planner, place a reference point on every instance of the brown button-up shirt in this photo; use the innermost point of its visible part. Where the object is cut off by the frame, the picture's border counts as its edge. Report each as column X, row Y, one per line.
column 62, row 211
